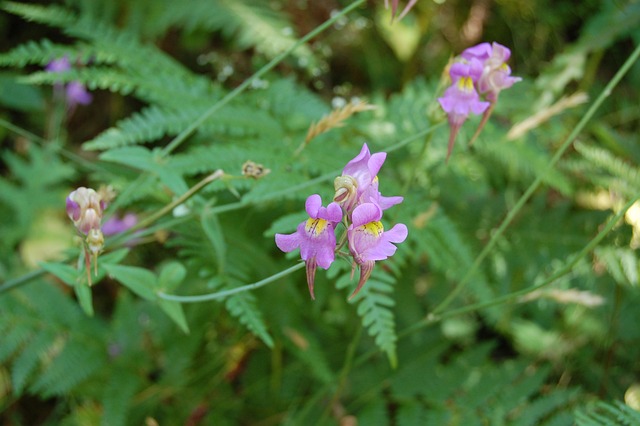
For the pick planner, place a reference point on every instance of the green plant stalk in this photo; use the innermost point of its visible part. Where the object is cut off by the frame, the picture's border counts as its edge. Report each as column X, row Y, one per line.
column 178, row 140
column 214, row 210
column 567, row 268
column 344, row 373
column 226, row 293
column 42, row 141
column 537, row 182
column 432, row 319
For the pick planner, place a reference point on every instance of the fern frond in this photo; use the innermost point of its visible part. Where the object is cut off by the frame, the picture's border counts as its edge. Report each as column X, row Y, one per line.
column 525, row 160
column 118, row 393
column 628, row 176
column 243, row 306
column 44, row 51
column 26, row 363
column 52, row 15
column 603, row 414
column 69, row 366
column 153, row 123
column 448, row 252
column 621, row 263
column 375, row 307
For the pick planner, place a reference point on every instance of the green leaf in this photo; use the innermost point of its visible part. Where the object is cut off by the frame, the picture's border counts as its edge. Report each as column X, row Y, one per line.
column 175, row 312
column 244, row 307
column 139, row 280
column 171, row 275
column 83, row 293
column 213, row 231
column 68, row 274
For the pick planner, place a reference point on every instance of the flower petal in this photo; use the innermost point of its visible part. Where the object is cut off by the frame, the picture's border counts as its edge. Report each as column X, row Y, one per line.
column 365, row 213
column 312, row 205
column 289, row 242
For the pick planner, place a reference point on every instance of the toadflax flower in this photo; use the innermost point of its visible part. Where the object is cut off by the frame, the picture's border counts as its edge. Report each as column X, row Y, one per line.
column 481, row 70
column 369, row 242
column 358, row 197
column 496, row 74
column 85, row 207
column 315, row 237
column 75, row 92
column 461, row 98
column 359, row 182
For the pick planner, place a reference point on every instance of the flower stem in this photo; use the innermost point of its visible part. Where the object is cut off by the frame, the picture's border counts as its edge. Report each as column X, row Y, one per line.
column 169, row 207
column 241, row 88
column 536, row 183
column 226, row 293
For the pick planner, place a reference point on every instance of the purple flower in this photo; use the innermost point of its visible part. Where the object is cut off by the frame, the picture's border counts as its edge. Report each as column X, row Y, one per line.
column 359, row 182
column 496, row 74
column 461, row 98
column 116, row 225
column 59, row 65
column 75, row 92
column 394, row 7
column 368, row 241
column 315, row 237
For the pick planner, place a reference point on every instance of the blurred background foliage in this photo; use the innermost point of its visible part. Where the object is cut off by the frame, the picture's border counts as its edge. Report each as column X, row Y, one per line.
column 116, row 354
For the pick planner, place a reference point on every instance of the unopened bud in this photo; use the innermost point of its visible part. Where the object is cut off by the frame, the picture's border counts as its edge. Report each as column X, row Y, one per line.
column 346, row 191
column 84, row 207
column 95, row 241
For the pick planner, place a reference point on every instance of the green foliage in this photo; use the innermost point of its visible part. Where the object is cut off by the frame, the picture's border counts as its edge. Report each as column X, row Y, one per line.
column 177, row 123
column 603, row 413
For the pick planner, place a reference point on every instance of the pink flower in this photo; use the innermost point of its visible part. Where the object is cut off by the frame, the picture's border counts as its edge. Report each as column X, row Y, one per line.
column 368, row 241
column 481, row 70
column 496, row 74
column 359, row 182
column 116, row 225
column 461, row 98
column 315, row 237
column 75, row 92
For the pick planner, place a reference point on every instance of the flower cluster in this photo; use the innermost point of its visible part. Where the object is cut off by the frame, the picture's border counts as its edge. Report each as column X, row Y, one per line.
column 85, row 207
column 358, row 204
column 479, row 70
column 75, row 92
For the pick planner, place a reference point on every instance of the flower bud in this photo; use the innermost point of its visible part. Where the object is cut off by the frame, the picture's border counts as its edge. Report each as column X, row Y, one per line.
column 346, row 191
column 95, row 241
column 84, row 207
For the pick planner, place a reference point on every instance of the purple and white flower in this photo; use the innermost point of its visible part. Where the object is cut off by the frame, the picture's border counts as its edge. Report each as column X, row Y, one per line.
column 481, row 70
column 369, row 242
column 359, row 182
column 315, row 237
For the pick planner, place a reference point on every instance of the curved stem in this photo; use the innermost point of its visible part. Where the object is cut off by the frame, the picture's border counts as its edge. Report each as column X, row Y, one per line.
column 225, row 293
column 241, row 88
column 536, row 183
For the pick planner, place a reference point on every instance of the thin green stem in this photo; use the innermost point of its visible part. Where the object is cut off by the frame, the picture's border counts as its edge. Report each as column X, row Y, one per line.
column 178, row 140
column 537, row 182
column 23, row 279
column 226, row 293
column 564, row 270
column 181, row 199
column 42, row 141
column 344, row 372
